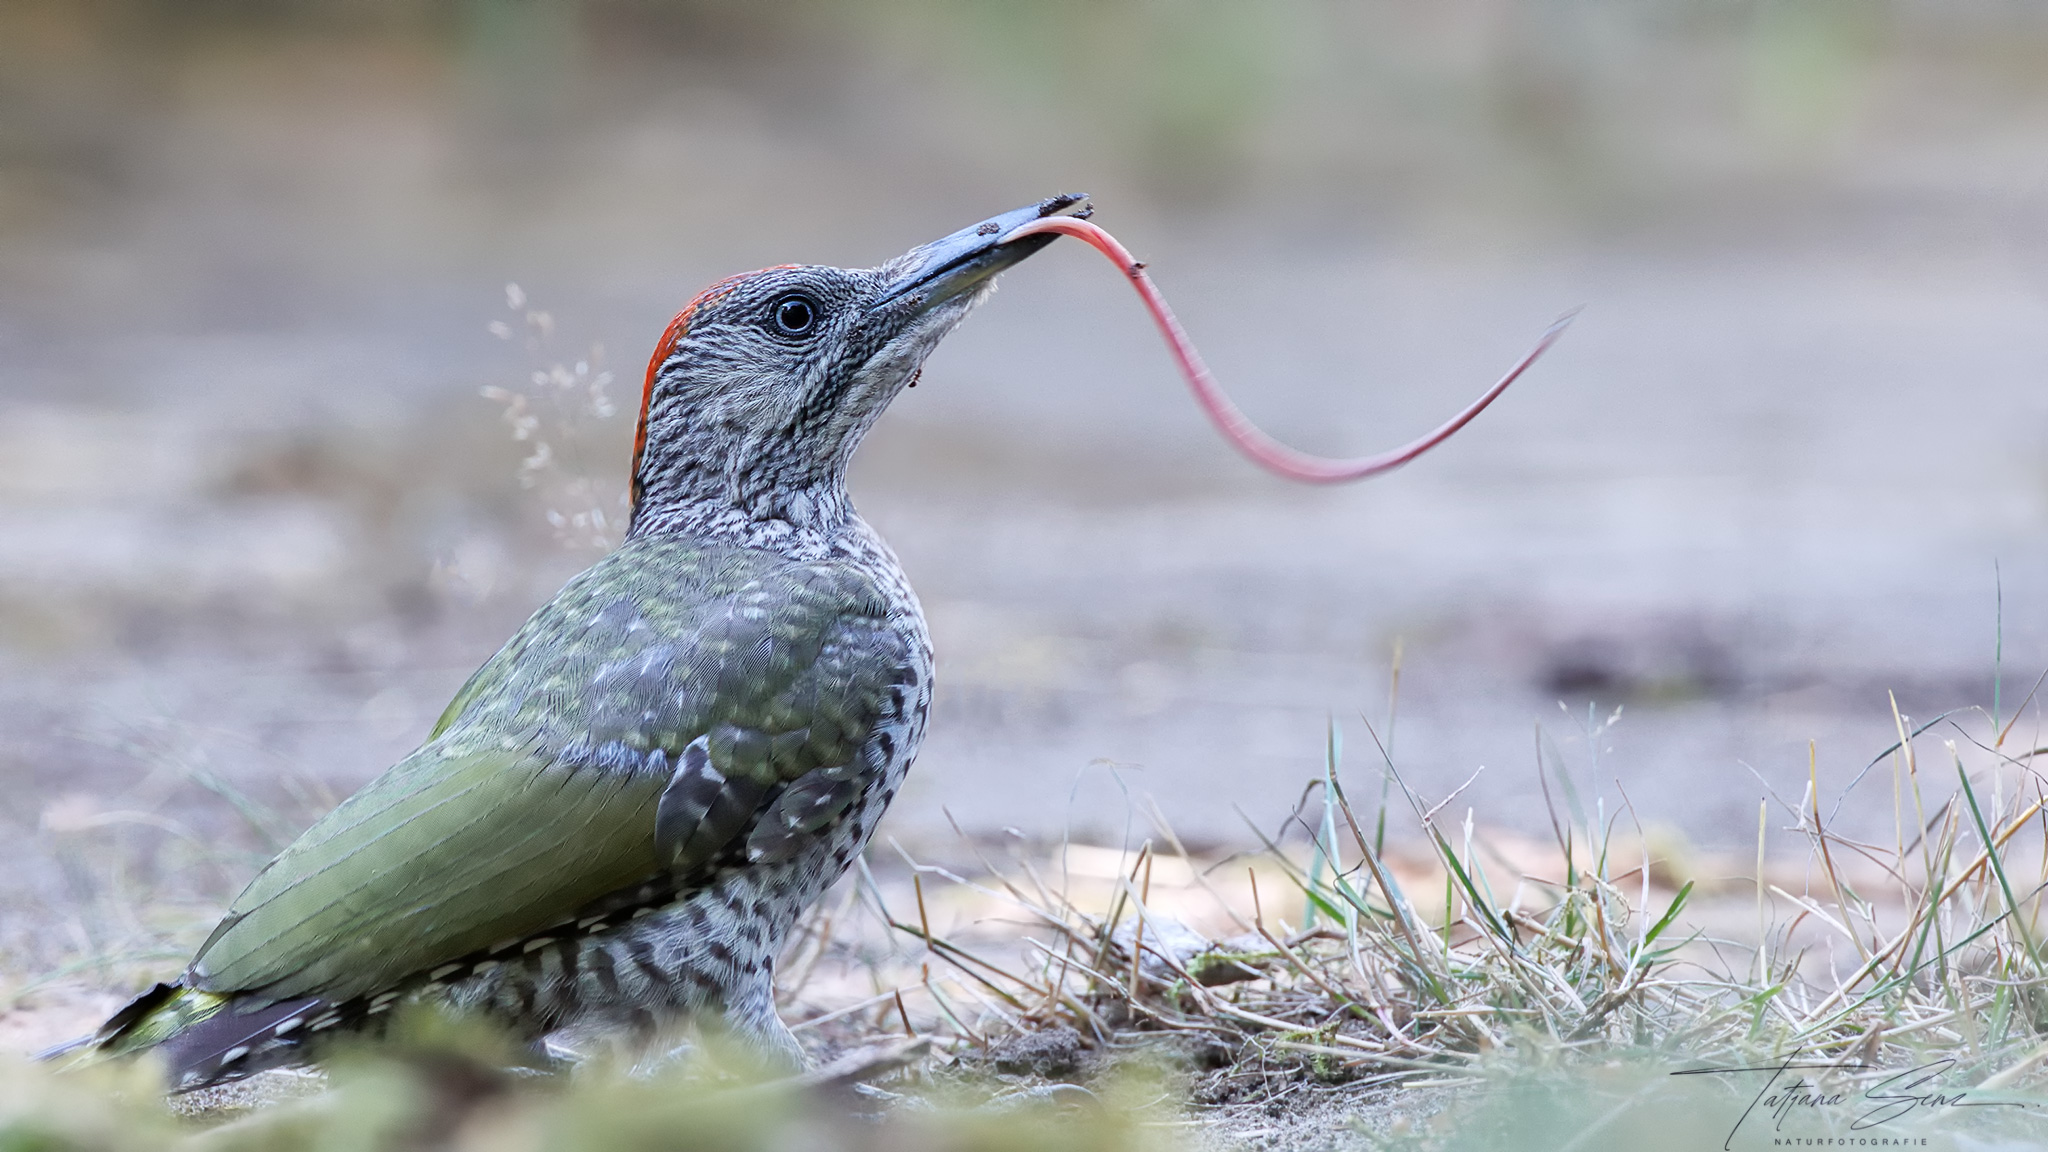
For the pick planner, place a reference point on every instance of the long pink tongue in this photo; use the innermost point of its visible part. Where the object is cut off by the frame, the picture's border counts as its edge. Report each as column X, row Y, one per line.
column 1235, row 426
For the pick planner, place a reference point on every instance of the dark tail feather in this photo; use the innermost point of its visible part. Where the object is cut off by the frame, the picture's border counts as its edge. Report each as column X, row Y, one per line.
column 119, row 1033
column 66, row 1048
column 121, row 1024
column 236, row 1042
column 207, row 1038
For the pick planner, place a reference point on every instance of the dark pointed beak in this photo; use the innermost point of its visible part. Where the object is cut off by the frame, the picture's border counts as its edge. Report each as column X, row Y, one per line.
column 946, row 268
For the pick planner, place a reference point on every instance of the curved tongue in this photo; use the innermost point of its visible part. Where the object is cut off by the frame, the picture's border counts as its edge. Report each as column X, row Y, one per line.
column 1236, row 427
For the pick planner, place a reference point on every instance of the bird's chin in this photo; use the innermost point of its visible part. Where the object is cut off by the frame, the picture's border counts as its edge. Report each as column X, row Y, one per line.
column 942, row 316
column 896, row 362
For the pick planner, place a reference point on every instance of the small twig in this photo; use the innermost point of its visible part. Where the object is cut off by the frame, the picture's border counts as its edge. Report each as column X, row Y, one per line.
column 924, row 920
column 904, row 1012
column 867, row 1063
column 1138, row 929
column 841, row 1013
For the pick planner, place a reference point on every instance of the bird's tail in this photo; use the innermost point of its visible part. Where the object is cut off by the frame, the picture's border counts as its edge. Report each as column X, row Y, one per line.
column 153, row 1018
column 206, row 1038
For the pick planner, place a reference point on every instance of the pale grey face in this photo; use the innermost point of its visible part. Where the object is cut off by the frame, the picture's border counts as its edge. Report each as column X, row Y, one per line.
column 766, row 383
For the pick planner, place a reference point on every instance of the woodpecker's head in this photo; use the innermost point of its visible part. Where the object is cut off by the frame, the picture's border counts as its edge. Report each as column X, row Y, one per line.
column 764, row 384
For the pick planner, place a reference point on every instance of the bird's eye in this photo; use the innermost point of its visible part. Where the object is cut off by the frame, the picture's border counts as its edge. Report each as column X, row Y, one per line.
column 794, row 315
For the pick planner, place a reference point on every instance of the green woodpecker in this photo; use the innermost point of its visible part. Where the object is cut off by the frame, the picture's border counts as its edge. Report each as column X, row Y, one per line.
column 617, row 820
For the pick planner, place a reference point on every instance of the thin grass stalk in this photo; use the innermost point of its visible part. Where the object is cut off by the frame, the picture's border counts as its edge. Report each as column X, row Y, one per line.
column 1201, row 876
column 1763, row 939
column 1138, row 932
column 1116, row 908
column 946, row 1009
column 1326, row 832
column 2016, row 713
column 1387, row 747
column 1338, row 999
column 1997, row 863
column 1403, row 916
column 967, row 961
column 1827, row 858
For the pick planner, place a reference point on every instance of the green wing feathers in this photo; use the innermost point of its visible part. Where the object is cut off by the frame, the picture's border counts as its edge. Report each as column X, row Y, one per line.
column 442, row 856
column 538, row 791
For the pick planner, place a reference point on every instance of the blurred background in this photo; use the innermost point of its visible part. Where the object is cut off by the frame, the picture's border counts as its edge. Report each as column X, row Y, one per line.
column 257, row 521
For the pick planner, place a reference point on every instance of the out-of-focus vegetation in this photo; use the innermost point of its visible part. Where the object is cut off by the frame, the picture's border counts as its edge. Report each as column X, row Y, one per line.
column 438, row 1084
